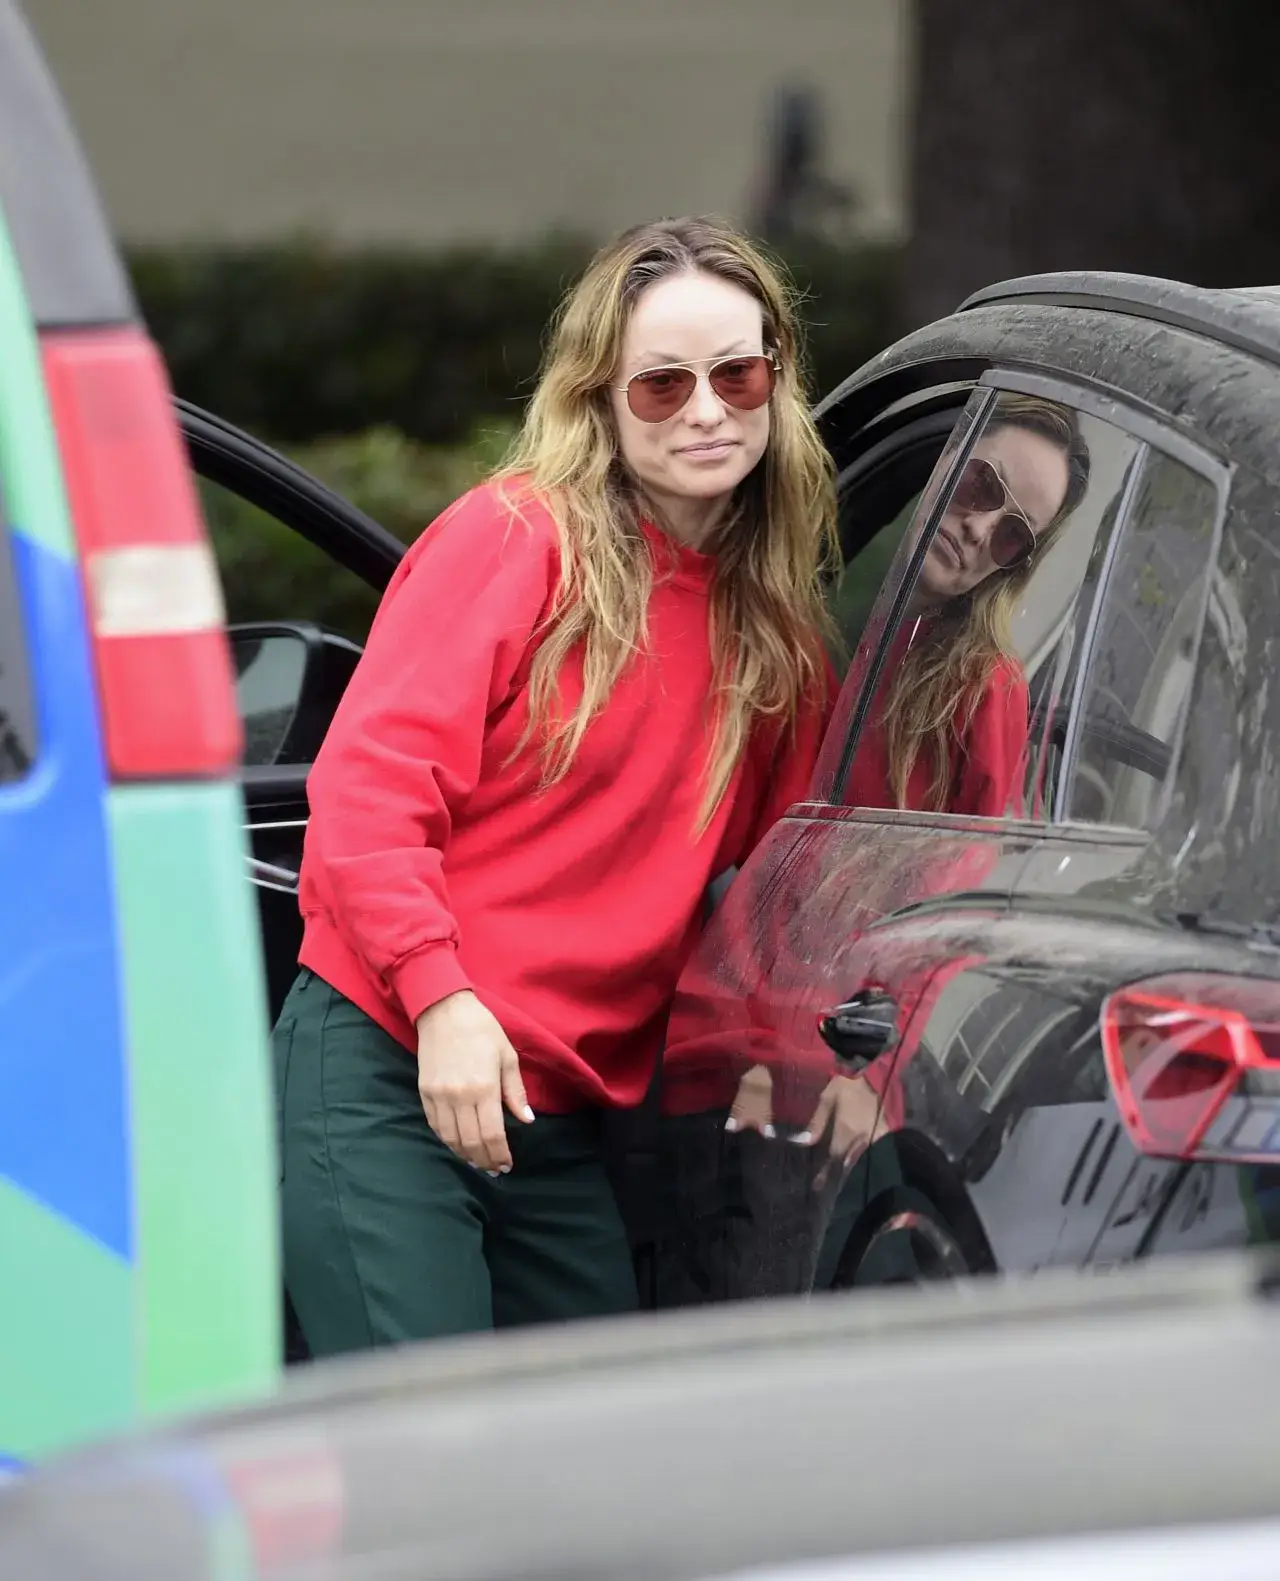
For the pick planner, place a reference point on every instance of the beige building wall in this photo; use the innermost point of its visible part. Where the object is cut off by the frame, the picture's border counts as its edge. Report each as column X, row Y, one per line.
column 441, row 120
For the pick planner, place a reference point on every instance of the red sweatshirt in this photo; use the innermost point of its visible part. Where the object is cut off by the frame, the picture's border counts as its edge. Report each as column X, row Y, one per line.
column 432, row 863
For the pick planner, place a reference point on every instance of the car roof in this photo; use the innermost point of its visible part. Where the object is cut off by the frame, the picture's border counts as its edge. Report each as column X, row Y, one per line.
column 71, row 272
column 1246, row 318
column 694, row 1444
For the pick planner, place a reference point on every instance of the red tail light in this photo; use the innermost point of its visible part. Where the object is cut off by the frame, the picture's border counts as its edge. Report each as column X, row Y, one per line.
column 1194, row 1062
column 151, row 584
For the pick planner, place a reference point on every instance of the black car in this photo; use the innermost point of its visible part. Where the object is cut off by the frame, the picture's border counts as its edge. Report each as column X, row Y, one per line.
column 1055, row 1025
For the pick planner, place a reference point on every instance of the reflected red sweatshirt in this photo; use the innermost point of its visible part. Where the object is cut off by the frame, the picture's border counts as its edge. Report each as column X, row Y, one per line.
column 433, row 863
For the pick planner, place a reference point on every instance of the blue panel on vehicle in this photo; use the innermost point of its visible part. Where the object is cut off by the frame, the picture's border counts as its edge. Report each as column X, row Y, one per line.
column 63, row 1100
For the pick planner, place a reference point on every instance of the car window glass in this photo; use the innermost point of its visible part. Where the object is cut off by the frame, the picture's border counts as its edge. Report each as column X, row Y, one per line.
column 270, row 670
column 270, row 572
column 967, row 715
column 1143, row 658
column 871, row 579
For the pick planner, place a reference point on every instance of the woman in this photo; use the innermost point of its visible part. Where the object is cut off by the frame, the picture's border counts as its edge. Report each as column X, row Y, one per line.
column 949, row 733
column 591, row 687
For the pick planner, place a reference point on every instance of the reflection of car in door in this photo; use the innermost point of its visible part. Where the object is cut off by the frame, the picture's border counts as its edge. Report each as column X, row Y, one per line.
column 1061, row 1016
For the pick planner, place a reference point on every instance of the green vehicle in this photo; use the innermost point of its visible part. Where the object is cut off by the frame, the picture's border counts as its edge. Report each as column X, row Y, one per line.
column 138, row 1261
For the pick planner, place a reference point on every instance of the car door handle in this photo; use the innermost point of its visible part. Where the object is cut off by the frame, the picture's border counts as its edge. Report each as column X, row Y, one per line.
column 860, row 1030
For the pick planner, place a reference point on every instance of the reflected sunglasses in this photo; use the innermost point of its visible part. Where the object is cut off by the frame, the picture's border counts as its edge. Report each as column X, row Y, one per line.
column 745, row 383
column 980, row 488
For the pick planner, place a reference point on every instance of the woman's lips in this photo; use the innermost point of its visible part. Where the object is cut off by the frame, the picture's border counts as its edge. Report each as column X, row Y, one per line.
column 711, row 451
column 947, row 543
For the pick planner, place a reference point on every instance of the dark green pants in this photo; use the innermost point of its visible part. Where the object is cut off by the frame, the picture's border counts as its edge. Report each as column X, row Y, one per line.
column 388, row 1236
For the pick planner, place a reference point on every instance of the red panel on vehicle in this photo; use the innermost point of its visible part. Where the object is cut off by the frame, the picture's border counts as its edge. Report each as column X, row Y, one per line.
column 151, row 584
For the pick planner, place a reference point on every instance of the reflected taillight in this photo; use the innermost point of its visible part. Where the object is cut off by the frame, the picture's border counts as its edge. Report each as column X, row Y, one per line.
column 1194, row 1062
column 151, row 583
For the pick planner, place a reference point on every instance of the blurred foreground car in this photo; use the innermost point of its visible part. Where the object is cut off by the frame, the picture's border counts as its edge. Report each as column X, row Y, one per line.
column 1122, row 1428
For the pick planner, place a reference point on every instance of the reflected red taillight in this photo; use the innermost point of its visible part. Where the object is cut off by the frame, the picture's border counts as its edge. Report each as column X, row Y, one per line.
column 1194, row 1062
column 152, row 590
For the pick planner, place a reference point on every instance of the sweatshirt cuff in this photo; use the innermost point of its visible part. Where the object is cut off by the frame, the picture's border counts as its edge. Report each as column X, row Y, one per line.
column 426, row 977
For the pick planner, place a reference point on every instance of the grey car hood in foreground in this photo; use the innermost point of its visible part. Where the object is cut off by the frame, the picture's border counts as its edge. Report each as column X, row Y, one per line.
column 707, row 1444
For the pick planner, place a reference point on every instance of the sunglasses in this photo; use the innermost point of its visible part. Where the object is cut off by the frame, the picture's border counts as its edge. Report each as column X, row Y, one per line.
column 745, row 383
column 980, row 488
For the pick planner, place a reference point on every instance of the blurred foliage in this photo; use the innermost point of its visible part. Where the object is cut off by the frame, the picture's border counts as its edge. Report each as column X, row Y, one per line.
column 299, row 341
column 269, row 572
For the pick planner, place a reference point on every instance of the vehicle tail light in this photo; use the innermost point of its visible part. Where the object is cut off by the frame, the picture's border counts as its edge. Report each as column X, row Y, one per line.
column 1194, row 1062
column 151, row 583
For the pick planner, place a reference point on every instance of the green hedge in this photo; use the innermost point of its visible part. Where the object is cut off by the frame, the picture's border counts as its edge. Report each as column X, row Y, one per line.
column 270, row 573
column 302, row 341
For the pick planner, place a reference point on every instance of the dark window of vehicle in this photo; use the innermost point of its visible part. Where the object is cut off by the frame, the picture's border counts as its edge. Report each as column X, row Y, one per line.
column 978, row 628
column 18, row 741
column 1143, row 656
column 271, row 572
column 270, row 674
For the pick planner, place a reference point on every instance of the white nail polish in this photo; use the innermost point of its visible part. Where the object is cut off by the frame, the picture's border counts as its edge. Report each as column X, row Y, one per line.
column 732, row 1125
column 803, row 1139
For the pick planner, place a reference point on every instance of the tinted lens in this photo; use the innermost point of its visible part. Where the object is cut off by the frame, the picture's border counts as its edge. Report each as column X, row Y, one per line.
column 743, row 382
column 660, row 393
column 979, row 488
column 1011, row 542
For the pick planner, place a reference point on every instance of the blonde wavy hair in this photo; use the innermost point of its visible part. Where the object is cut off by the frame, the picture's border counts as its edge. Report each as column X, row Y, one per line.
column 940, row 682
column 768, row 617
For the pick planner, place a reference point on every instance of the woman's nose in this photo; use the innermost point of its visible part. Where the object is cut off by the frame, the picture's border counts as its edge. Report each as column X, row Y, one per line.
column 705, row 406
column 978, row 526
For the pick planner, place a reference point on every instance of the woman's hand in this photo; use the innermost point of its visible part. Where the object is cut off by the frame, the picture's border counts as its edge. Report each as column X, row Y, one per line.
column 753, row 1103
column 467, row 1070
column 846, row 1122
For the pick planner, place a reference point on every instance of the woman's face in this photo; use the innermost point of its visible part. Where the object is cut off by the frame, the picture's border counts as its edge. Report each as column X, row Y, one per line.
column 698, row 455
column 1034, row 472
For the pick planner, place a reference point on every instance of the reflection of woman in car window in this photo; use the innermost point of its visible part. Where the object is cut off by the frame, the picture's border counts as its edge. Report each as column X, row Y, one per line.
column 949, row 728
column 593, row 684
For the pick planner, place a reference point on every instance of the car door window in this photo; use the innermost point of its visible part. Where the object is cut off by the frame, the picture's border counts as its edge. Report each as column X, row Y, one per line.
column 271, row 572
column 956, row 698
column 1143, row 656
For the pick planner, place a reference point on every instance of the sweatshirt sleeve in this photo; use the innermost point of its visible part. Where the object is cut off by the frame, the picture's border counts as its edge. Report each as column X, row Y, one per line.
column 404, row 750
column 994, row 761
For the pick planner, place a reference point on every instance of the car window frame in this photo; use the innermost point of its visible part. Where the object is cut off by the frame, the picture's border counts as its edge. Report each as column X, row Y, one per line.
column 226, row 455
column 1150, row 429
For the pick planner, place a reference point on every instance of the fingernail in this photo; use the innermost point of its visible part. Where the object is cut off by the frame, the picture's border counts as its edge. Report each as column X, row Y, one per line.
column 528, row 1112
column 505, row 1170
column 732, row 1125
column 768, row 1131
column 493, row 1173
column 803, row 1139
